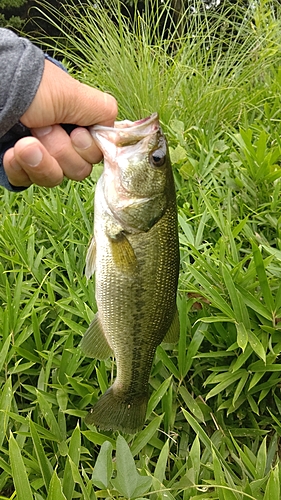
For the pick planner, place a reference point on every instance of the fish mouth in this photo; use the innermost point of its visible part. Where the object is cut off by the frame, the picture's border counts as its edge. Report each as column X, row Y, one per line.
column 126, row 132
column 138, row 124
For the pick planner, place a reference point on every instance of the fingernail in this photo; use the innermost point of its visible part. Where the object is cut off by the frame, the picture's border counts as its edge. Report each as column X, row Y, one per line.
column 82, row 139
column 15, row 165
column 32, row 156
column 40, row 132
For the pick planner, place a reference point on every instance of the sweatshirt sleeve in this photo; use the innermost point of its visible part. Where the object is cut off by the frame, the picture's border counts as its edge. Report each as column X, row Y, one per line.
column 21, row 69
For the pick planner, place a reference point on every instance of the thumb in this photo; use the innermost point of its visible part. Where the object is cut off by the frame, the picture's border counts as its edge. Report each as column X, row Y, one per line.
column 62, row 99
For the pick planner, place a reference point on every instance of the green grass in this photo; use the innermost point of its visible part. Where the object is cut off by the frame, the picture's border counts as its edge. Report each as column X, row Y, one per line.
column 213, row 422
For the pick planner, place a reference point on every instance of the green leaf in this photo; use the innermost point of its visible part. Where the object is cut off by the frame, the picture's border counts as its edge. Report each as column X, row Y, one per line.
column 128, row 481
column 195, row 458
column 5, row 405
column 5, row 467
column 160, row 469
column 255, row 380
column 219, row 476
column 229, row 378
column 143, row 485
column 257, row 345
column 213, row 295
column 144, row 436
column 220, row 146
column 272, row 490
column 240, row 386
column 261, row 460
column 44, row 463
column 103, row 383
column 259, row 263
column 240, row 310
column 177, row 126
column 103, row 467
column 183, row 309
column 242, row 358
column 196, row 341
column 156, row 397
column 74, row 454
column 191, row 404
column 4, row 351
column 166, row 360
column 254, row 303
column 98, row 438
column 216, row 319
column 78, row 479
column 245, row 459
column 49, row 416
column 82, row 210
column 178, row 154
column 242, row 336
column 55, row 489
column 253, row 404
column 198, row 430
column 214, row 212
column 19, row 473
column 62, row 399
column 187, row 229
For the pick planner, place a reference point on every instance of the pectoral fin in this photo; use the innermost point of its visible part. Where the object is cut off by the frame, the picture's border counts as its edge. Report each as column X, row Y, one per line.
column 172, row 335
column 91, row 259
column 94, row 343
column 123, row 253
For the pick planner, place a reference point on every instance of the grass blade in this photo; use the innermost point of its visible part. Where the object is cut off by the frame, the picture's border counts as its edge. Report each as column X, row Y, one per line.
column 273, row 485
column 55, row 489
column 19, row 472
column 5, row 405
column 259, row 263
column 44, row 463
column 74, row 455
column 156, row 397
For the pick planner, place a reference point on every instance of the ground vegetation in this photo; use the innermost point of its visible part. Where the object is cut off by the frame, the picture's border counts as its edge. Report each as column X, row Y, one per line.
column 213, row 421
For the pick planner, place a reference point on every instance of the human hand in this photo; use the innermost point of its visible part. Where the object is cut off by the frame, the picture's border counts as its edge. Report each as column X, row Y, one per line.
column 51, row 153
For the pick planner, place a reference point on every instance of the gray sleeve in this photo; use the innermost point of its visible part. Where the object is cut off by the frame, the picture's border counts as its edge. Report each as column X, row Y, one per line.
column 21, row 69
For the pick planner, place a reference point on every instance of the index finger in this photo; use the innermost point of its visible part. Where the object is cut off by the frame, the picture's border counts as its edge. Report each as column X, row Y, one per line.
column 90, row 107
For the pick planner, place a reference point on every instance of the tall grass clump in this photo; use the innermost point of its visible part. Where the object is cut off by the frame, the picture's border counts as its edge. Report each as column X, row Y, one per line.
column 213, row 421
column 211, row 75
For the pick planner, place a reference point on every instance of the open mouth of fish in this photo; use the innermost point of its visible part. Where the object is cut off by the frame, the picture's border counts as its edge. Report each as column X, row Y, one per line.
column 126, row 132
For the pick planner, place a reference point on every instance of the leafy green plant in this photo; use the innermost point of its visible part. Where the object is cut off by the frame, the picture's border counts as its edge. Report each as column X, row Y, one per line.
column 213, row 427
column 8, row 9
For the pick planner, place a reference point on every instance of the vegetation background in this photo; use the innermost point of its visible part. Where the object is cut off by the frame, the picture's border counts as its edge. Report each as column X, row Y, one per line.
column 213, row 421
column 19, row 14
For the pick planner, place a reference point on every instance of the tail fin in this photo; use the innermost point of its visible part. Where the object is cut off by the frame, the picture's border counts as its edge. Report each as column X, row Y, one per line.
column 116, row 410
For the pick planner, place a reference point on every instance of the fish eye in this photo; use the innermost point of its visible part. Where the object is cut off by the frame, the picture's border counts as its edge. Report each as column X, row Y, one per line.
column 158, row 157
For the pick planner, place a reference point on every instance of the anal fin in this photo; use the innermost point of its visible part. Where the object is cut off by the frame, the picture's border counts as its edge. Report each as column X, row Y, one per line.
column 94, row 343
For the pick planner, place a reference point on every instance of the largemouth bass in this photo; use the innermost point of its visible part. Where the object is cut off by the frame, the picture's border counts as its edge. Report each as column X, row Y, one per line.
column 135, row 255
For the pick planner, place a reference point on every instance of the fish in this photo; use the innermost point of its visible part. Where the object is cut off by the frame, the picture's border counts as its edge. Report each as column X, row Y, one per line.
column 134, row 254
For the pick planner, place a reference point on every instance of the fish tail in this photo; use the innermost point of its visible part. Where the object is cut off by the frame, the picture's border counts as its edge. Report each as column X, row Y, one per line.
column 118, row 410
